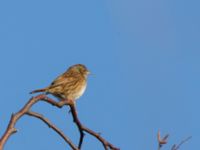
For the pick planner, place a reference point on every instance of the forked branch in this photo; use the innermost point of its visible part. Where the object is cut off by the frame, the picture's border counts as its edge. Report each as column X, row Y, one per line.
column 163, row 141
column 82, row 128
column 26, row 111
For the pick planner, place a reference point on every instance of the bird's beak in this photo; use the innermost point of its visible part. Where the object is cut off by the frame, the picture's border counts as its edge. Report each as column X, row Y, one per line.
column 88, row 73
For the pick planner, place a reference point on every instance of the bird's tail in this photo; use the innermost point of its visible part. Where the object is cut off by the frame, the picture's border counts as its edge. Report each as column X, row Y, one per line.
column 39, row 90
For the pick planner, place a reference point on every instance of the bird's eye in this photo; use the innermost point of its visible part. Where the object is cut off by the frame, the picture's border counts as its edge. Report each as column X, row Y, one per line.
column 79, row 69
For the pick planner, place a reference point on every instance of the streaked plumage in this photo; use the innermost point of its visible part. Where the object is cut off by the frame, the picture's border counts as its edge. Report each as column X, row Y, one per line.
column 70, row 85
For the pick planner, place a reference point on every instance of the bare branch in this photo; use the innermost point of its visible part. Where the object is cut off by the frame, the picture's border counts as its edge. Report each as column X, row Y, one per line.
column 58, row 104
column 15, row 117
column 176, row 147
column 161, row 141
column 82, row 128
column 26, row 111
column 45, row 120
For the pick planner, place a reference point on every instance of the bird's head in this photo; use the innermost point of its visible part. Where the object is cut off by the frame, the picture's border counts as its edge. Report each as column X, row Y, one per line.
column 80, row 68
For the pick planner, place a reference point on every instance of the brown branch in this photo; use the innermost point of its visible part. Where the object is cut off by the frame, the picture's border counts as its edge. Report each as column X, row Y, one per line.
column 26, row 111
column 45, row 120
column 82, row 128
column 15, row 117
column 161, row 141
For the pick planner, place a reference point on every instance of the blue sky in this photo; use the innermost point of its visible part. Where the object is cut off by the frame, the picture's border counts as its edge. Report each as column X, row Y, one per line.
column 144, row 56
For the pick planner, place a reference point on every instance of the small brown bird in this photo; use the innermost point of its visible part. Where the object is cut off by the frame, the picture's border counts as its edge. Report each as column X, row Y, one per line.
column 70, row 85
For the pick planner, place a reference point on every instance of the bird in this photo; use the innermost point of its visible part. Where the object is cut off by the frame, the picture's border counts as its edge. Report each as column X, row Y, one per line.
column 70, row 85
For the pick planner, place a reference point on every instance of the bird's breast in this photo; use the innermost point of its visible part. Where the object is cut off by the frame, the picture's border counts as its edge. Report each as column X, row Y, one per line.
column 81, row 91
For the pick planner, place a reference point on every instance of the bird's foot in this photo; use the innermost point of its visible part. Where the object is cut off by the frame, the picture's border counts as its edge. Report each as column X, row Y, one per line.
column 69, row 101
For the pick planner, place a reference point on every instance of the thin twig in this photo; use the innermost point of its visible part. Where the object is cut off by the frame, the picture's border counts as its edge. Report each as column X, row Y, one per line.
column 176, row 147
column 45, row 120
column 82, row 128
column 161, row 141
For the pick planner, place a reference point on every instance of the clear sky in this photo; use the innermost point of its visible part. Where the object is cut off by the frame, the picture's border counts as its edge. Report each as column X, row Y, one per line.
column 144, row 56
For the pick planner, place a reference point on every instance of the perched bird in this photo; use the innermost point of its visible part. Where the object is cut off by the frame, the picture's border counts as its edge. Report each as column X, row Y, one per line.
column 70, row 85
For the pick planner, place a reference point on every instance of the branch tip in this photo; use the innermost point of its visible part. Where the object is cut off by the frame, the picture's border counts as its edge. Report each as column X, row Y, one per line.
column 162, row 141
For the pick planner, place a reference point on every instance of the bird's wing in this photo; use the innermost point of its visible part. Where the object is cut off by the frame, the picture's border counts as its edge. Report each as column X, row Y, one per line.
column 63, row 79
